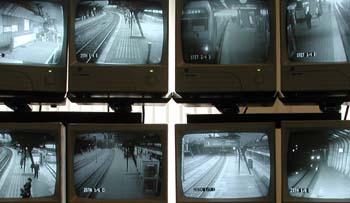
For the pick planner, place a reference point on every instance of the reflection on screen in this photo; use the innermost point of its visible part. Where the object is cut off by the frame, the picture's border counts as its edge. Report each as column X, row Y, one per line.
column 31, row 32
column 225, row 31
column 318, row 30
column 225, row 165
column 28, row 164
column 119, row 32
column 118, row 165
column 318, row 164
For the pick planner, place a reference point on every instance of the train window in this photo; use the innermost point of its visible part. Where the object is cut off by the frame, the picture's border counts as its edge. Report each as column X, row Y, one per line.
column 318, row 163
column 315, row 21
column 119, row 32
column 26, row 25
column 43, row 43
column 225, row 32
column 104, row 160
column 225, row 165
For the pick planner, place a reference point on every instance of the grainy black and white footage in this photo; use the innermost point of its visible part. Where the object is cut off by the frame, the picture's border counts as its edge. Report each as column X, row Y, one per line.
column 318, row 30
column 31, row 32
column 119, row 32
column 225, row 165
column 118, row 165
column 225, row 31
column 28, row 164
column 318, row 163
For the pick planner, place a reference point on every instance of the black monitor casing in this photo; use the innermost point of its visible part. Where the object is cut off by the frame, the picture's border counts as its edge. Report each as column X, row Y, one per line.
column 37, row 83
column 182, row 129
column 117, row 80
column 242, row 83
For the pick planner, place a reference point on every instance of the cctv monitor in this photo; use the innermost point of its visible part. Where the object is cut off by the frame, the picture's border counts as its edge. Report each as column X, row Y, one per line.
column 315, row 50
column 225, row 48
column 33, row 48
column 117, row 163
column 118, row 47
column 31, row 162
column 315, row 161
column 231, row 162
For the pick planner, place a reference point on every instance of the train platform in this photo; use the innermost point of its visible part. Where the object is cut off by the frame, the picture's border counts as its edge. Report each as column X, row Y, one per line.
column 331, row 183
column 13, row 179
column 128, row 46
column 323, row 29
column 43, row 52
column 236, row 180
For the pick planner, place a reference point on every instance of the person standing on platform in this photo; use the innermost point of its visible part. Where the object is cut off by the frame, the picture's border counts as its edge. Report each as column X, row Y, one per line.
column 36, row 171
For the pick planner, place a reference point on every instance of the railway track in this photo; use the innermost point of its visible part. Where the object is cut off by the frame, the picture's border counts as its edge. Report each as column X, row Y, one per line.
column 305, row 182
column 83, row 162
column 196, row 163
column 205, row 180
column 5, row 157
column 93, row 45
column 93, row 178
column 51, row 170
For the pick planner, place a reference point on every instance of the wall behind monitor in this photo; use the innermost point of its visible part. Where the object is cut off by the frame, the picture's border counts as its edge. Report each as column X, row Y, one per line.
column 173, row 113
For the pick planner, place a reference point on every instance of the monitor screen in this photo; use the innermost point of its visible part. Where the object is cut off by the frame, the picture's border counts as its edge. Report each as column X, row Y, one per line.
column 119, row 32
column 317, row 31
column 118, row 165
column 28, row 164
column 31, row 32
column 318, row 163
column 225, row 164
column 225, row 32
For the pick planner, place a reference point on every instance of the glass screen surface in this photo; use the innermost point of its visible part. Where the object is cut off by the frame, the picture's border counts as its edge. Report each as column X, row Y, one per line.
column 225, row 165
column 31, row 32
column 118, row 165
column 119, row 32
column 318, row 31
column 318, row 163
column 225, row 31
column 28, row 164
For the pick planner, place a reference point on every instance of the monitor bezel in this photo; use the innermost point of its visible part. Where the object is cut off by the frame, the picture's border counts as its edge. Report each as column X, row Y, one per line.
column 148, row 79
column 289, row 69
column 45, row 80
column 60, row 155
column 263, row 75
column 75, row 129
column 267, row 127
column 292, row 126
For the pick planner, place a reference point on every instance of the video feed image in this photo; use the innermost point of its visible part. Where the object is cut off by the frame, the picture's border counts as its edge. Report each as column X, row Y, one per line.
column 318, row 30
column 28, row 164
column 225, row 31
column 119, row 32
column 118, row 165
column 225, row 165
column 31, row 32
column 318, row 163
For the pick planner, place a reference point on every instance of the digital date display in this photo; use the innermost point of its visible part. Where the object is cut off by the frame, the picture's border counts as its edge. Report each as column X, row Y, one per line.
column 309, row 54
column 94, row 190
column 299, row 190
column 200, row 57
